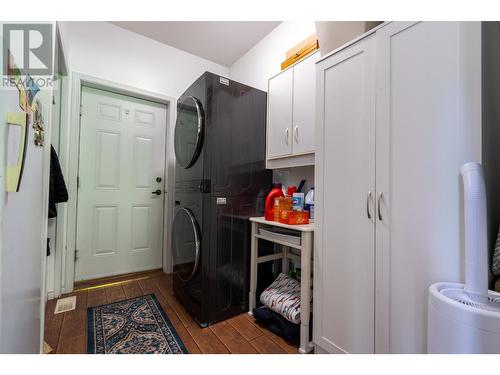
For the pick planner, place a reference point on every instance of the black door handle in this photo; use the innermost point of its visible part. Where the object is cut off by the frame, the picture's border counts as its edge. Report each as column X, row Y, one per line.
column 157, row 192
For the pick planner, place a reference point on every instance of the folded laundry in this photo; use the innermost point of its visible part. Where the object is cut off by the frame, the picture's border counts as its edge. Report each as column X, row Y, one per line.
column 283, row 296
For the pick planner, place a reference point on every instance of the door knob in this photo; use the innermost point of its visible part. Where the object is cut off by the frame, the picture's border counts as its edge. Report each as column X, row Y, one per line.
column 157, row 192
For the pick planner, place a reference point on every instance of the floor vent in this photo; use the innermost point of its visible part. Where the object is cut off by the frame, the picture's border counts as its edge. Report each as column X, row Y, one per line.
column 65, row 304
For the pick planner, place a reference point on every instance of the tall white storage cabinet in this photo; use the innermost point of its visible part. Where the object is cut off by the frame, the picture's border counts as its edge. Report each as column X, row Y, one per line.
column 344, row 271
column 398, row 112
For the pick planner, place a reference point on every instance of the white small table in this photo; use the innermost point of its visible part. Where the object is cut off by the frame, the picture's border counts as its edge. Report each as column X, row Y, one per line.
column 305, row 248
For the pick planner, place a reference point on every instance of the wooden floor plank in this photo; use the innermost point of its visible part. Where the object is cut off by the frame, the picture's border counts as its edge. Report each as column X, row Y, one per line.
column 115, row 294
column 265, row 345
column 148, row 286
column 53, row 323
column 230, row 337
column 74, row 324
column 245, row 327
column 165, row 281
column 96, row 297
column 82, row 300
column 74, row 327
column 207, row 341
column 132, row 289
column 74, row 345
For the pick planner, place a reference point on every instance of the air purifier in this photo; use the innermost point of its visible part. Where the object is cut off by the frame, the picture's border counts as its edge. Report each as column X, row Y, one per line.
column 465, row 318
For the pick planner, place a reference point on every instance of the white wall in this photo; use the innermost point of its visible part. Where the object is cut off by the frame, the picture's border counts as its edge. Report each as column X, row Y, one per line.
column 293, row 176
column 264, row 60
column 107, row 51
column 23, row 249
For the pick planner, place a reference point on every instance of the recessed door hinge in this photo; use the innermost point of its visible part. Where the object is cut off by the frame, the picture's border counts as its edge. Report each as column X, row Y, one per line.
column 76, row 255
column 78, row 182
column 81, row 110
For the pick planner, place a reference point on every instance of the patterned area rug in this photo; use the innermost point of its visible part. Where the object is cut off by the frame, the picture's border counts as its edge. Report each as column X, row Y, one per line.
column 134, row 326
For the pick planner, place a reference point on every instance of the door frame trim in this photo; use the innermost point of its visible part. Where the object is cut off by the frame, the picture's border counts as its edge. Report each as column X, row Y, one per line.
column 70, row 141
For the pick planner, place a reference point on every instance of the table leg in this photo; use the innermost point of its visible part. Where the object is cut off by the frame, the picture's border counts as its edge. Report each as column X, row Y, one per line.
column 254, row 249
column 305, row 291
column 284, row 267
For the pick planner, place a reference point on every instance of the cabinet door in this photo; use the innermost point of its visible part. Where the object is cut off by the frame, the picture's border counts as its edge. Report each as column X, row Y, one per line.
column 304, row 96
column 345, row 181
column 420, row 128
column 279, row 121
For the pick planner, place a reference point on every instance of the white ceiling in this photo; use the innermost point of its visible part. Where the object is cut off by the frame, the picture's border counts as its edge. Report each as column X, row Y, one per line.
column 222, row 42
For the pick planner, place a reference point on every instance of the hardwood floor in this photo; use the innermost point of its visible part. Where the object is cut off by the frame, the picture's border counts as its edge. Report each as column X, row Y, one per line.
column 67, row 332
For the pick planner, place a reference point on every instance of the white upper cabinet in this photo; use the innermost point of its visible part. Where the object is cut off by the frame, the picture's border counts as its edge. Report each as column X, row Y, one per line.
column 291, row 115
column 279, row 135
column 304, row 90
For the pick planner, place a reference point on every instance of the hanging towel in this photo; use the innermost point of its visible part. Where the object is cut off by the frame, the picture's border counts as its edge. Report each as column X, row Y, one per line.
column 57, row 189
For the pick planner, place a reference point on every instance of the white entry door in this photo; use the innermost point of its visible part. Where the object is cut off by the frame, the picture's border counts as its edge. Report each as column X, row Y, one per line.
column 120, row 194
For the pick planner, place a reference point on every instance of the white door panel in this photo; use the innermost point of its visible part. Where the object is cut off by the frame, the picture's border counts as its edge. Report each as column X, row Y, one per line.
column 120, row 221
column 344, row 257
column 304, row 100
column 418, row 139
column 279, row 127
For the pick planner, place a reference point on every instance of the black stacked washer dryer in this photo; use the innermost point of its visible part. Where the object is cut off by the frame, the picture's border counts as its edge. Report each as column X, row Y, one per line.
column 220, row 181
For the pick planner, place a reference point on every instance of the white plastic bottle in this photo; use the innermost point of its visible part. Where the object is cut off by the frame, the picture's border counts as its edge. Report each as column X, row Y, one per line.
column 309, row 201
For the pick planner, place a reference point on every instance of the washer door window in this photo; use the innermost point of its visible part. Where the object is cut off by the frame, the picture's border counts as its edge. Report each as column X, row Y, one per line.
column 185, row 244
column 189, row 129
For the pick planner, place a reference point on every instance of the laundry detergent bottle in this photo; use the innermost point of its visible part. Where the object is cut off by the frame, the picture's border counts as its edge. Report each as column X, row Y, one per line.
column 276, row 192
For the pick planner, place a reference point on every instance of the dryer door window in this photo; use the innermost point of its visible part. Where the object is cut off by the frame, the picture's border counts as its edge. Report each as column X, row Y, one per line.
column 186, row 244
column 189, row 129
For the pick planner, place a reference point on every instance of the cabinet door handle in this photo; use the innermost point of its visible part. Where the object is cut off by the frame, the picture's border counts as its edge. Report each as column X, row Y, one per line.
column 368, row 199
column 378, row 204
column 287, row 133
column 296, row 134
